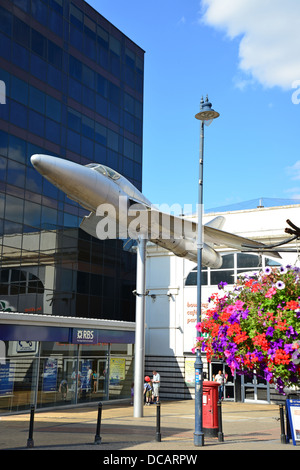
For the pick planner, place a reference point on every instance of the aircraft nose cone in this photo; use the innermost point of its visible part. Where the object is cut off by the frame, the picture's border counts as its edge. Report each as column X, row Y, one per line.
column 35, row 160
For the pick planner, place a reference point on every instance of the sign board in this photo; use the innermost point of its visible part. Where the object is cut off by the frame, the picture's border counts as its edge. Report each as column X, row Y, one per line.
column 293, row 409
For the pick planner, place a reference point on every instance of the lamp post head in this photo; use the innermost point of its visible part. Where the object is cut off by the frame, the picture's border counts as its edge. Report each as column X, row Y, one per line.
column 206, row 112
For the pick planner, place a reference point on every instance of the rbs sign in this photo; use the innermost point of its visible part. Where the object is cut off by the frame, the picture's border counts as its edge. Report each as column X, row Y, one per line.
column 84, row 336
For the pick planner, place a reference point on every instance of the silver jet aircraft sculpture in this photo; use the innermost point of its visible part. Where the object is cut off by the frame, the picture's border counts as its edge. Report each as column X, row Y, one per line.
column 119, row 210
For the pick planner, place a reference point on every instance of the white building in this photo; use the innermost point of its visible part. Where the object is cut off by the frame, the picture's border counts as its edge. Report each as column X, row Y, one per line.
column 172, row 301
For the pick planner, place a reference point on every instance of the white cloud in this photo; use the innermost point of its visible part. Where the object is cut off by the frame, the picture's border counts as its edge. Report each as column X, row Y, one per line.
column 294, row 171
column 269, row 35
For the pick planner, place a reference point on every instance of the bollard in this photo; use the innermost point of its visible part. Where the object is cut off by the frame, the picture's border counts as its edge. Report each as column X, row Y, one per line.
column 97, row 436
column 158, row 434
column 220, row 430
column 282, row 435
column 30, row 442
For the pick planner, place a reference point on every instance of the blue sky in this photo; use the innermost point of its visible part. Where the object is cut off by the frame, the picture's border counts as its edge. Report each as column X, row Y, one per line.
column 246, row 56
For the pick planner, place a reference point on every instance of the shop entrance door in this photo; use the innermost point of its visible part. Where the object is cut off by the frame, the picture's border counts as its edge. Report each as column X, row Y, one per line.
column 255, row 389
column 100, row 384
column 229, row 378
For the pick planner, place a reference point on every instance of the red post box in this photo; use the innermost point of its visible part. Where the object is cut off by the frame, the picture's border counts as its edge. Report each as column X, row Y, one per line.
column 210, row 409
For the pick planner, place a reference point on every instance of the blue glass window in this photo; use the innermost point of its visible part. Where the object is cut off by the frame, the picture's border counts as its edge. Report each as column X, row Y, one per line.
column 53, row 108
column 75, row 68
column 114, row 93
column 17, row 149
column 21, row 32
column 128, row 148
column 5, row 21
column 87, row 148
column 102, row 37
column 4, row 110
column 113, row 113
column 100, row 153
column 129, row 103
column 54, row 54
column 112, row 160
column 88, row 76
column 87, row 127
column 128, row 168
column 32, row 214
column 23, row 4
column 75, row 90
column 18, row 114
column 130, row 58
column 39, row 10
column 14, row 209
column 20, row 56
column 89, row 48
column 129, row 122
column 38, row 67
column 73, row 141
column 129, row 77
column 76, row 37
column 49, row 218
column 55, row 22
column 74, row 120
column 38, row 44
column 112, row 140
column 102, row 85
column 36, row 99
column 138, row 127
column 56, row 5
column 102, row 58
column 101, row 105
column 100, row 133
column 19, row 90
column 115, row 66
column 36, row 123
column 137, row 172
column 5, row 48
column 3, row 143
column 138, row 153
column 76, row 16
column 88, row 97
column 3, row 171
column 54, row 77
column 52, row 131
column 49, row 189
column 15, row 173
column 33, row 180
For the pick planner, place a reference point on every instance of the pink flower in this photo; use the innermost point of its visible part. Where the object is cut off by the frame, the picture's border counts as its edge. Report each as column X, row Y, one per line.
column 239, row 304
column 272, row 291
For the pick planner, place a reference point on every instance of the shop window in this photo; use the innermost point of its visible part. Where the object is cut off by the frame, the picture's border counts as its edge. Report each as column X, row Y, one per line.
column 191, row 280
column 234, row 264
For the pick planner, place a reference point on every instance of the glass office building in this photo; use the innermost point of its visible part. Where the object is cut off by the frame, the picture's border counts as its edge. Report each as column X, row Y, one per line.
column 71, row 85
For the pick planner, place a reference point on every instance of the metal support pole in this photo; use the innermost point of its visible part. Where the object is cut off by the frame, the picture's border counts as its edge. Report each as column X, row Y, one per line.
column 282, row 427
column 30, row 442
column 198, row 434
column 158, row 434
column 140, row 329
column 97, row 436
column 220, row 431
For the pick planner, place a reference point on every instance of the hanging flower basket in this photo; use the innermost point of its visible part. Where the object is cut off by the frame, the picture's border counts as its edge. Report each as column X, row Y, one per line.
column 255, row 327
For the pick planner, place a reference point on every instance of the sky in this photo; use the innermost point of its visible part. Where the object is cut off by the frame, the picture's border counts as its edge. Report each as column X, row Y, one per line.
column 243, row 54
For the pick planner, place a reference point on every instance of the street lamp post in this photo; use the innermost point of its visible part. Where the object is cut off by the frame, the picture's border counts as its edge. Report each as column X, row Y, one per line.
column 206, row 116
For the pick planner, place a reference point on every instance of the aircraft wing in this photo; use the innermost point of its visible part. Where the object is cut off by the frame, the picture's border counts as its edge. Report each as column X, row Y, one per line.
column 219, row 237
column 161, row 225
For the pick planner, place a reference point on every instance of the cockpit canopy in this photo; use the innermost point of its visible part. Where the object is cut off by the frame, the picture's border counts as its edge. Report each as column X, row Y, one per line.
column 104, row 170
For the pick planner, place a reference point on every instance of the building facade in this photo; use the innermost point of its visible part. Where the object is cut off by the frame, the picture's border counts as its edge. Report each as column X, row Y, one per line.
column 72, row 87
column 171, row 306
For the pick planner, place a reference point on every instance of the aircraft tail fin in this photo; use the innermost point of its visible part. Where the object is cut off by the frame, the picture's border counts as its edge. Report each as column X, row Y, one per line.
column 217, row 222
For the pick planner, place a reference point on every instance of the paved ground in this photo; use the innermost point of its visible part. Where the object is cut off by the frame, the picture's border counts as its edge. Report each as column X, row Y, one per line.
column 245, row 427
